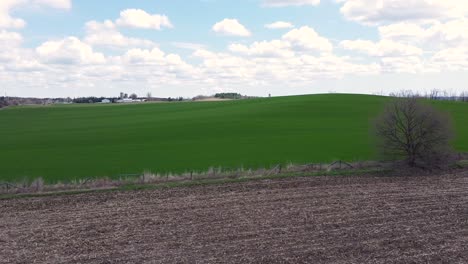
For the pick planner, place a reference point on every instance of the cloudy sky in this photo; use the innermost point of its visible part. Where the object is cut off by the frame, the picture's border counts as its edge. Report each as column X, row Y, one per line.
column 52, row 48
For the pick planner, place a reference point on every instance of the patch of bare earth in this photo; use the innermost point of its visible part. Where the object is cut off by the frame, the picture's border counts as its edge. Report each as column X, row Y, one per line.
column 302, row 220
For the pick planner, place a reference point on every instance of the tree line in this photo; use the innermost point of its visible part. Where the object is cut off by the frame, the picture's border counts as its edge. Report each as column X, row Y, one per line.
column 435, row 94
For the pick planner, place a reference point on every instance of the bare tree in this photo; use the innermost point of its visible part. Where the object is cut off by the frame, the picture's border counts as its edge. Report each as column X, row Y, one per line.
column 464, row 97
column 434, row 95
column 414, row 131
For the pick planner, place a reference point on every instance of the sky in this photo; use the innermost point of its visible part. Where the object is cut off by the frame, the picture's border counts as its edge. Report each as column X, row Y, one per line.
column 73, row 48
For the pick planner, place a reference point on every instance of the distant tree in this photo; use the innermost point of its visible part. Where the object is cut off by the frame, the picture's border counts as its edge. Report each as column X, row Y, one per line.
column 200, row 97
column 149, row 95
column 464, row 97
column 87, row 100
column 134, row 96
column 3, row 102
column 416, row 132
column 228, row 95
column 435, row 94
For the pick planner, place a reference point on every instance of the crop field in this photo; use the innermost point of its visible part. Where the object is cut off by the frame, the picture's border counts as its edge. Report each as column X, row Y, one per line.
column 361, row 219
column 67, row 142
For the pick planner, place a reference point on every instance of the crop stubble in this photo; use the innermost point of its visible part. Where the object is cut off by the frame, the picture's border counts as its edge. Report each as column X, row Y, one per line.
column 314, row 220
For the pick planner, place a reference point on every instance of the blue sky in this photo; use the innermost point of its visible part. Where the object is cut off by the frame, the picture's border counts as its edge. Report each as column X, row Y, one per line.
column 186, row 48
column 49, row 24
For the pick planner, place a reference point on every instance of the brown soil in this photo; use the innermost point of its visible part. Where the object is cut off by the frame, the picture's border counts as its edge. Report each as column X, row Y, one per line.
column 302, row 220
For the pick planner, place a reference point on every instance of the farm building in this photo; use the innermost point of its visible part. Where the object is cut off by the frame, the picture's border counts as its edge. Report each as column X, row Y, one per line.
column 129, row 100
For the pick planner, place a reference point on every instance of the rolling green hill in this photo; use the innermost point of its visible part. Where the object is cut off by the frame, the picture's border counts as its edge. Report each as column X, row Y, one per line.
column 77, row 141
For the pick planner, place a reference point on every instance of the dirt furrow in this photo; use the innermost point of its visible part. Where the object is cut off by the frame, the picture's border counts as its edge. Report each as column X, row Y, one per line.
column 301, row 220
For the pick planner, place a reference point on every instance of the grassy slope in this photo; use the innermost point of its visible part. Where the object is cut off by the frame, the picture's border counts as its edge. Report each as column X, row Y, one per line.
column 64, row 142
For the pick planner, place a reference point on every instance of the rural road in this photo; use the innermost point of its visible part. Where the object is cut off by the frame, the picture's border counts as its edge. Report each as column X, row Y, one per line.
column 301, row 220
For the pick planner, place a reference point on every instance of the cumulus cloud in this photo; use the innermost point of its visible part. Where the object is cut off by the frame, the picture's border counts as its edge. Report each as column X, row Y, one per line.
column 306, row 38
column 374, row 12
column 60, row 4
column 452, row 58
column 403, row 31
column 170, row 68
column 6, row 20
column 383, row 48
column 275, row 48
column 411, row 41
column 231, row 27
column 438, row 34
column 144, row 56
column 291, row 71
column 137, row 18
column 279, row 25
column 70, row 50
column 409, row 64
column 10, row 42
column 14, row 58
column 224, row 67
column 281, row 3
column 107, row 34
column 188, row 45
column 10, row 39
column 6, row 6
column 301, row 40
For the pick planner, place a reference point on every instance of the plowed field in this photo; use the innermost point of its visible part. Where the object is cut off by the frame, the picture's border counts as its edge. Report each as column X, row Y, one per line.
column 301, row 220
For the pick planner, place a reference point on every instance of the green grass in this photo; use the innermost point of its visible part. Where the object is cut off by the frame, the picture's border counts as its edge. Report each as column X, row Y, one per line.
column 67, row 142
column 193, row 183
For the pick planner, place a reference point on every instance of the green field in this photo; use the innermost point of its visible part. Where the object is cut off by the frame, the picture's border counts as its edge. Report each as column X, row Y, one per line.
column 66, row 142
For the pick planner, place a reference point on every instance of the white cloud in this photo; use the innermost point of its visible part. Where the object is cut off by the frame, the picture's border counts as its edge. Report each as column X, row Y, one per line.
column 6, row 20
column 14, row 58
column 156, row 57
column 409, row 64
column 383, row 48
column 281, row 3
column 279, row 25
column 452, row 58
column 275, row 48
column 447, row 34
column 59, row 4
column 137, row 18
column 106, row 34
column 231, row 27
column 24, row 65
column 393, row 11
column 10, row 39
column 6, row 6
column 10, row 43
column 306, row 38
column 225, row 69
column 402, row 31
column 144, row 56
column 302, row 40
column 432, row 41
column 188, row 45
column 70, row 50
